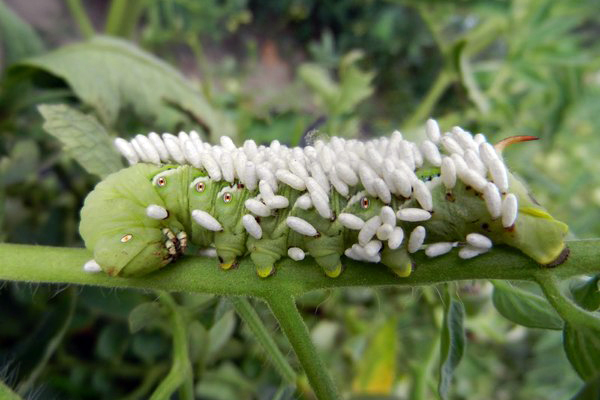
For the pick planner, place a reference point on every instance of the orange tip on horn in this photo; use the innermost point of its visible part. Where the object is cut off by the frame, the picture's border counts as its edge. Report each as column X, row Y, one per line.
column 501, row 145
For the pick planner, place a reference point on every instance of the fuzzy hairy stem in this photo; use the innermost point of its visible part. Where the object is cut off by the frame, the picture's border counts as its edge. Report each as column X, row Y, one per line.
column 202, row 275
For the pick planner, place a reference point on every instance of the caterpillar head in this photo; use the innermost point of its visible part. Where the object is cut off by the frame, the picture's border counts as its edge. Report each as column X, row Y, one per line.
column 535, row 232
column 125, row 222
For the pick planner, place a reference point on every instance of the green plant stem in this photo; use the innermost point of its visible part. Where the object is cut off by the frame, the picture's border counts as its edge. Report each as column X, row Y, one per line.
column 80, row 15
column 284, row 308
column 52, row 346
column 7, row 394
column 565, row 307
column 180, row 374
column 251, row 318
column 123, row 16
column 30, row 263
column 423, row 371
column 425, row 108
column 150, row 378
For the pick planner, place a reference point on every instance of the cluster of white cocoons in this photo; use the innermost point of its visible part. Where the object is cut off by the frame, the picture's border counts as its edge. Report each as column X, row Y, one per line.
column 383, row 167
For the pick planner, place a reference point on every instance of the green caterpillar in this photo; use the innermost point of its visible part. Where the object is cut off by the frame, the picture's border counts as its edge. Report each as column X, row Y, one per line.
column 377, row 201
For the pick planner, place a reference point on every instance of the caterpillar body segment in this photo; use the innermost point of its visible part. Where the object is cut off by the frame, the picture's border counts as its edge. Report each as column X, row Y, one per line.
column 375, row 201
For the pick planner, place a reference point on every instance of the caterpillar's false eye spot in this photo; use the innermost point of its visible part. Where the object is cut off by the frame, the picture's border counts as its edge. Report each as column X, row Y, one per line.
column 364, row 203
column 162, row 181
column 227, row 197
column 126, row 238
column 200, row 187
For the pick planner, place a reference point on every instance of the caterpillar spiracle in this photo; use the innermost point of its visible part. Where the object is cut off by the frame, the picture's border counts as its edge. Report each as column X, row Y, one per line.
column 376, row 201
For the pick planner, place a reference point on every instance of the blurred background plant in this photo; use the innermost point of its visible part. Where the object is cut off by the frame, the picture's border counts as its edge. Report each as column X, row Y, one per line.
column 278, row 70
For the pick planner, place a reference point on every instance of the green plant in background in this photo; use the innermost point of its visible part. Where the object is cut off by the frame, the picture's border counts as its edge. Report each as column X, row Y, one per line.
column 520, row 67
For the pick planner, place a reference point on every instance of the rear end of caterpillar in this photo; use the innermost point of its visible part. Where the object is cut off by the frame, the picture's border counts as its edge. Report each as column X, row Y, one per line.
column 377, row 201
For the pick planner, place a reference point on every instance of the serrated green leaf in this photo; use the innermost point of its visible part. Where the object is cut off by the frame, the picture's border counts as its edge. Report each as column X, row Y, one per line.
column 83, row 138
column 319, row 80
column 452, row 342
column 582, row 345
column 112, row 75
column 377, row 368
column 145, row 315
column 587, row 293
column 524, row 308
column 220, row 333
column 355, row 84
column 19, row 40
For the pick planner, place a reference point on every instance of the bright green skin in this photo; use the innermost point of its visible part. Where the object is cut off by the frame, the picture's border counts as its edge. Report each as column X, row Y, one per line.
column 117, row 207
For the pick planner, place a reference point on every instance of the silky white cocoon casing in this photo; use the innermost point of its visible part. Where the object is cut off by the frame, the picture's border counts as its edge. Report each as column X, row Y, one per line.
column 148, row 149
column 301, row 226
column 468, row 252
column 257, row 208
column 304, row 202
column 438, row 249
column 206, row 220
column 127, row 150
column 510, row 210
column 384, row 231
column 478, row 240
column 172, row 145
column 432, row 129
column 92, row 266
column 290, row 179
column 346, row 173
column 369, row 230
column 413, row 214
column 351, row 221
column 388, row 216
column 155, row 211
column 277, row 202
column 296, row 253
column 499, row 174
column 493, row 201
column 416, row 239
column 423, row 195
column 431, row 153
column 252, row 226
column 451, row 146
column 159, row 146
column 372, row 248
column 448, row 172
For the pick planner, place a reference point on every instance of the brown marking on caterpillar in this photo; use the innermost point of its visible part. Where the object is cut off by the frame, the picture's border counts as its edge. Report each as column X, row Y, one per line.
column 562, row 257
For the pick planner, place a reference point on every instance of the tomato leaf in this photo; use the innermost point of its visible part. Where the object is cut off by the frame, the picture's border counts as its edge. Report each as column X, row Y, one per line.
column 524, row 308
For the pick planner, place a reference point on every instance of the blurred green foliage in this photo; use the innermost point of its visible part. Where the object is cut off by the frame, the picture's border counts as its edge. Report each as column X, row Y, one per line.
column 277, row 70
